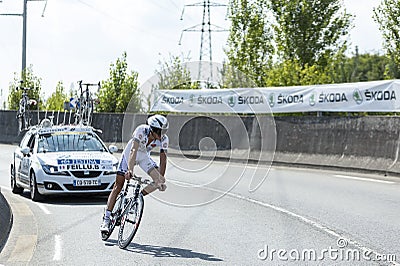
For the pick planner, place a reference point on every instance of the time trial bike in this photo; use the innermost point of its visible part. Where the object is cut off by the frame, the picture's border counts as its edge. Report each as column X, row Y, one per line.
column 127, row 212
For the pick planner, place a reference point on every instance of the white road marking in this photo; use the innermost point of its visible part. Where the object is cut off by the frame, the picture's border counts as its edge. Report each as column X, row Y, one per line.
column 6, row 188
column 24, row 248
column 21, row 209
column 303, row 219
column 43, row 208
column 40, row 205
column 57, row 247
column 364, row 179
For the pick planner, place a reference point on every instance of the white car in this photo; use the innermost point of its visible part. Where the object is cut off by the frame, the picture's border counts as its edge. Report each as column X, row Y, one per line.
column 62, row 160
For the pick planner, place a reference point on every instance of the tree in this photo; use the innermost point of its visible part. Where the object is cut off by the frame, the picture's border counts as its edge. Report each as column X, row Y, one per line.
column 387, row 15
column 250, row 42
column 369, row 67
column 291, row 73
column 56, row 101
column 31, row 81
column 234, row 78
column 173, row 74
column 309, row 31
column 359, row 67
column 120, row 89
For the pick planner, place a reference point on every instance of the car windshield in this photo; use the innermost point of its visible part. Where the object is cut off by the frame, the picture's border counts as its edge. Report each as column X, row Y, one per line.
column 69, row 141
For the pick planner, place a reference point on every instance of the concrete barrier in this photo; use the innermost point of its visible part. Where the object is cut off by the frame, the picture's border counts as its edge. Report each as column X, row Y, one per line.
column 369, row 143
column 5, row 220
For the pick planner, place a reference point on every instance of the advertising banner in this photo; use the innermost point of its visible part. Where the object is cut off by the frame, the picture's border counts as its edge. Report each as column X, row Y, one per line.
column 375, row 96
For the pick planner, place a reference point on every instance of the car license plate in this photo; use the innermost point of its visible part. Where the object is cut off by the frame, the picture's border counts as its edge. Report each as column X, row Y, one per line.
column 86, row 182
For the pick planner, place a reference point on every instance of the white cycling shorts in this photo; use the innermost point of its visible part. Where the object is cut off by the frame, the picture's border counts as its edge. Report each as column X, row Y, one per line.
column 144, row 161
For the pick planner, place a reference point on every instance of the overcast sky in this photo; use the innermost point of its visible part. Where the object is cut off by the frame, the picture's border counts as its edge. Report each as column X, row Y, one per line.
column 79, row 39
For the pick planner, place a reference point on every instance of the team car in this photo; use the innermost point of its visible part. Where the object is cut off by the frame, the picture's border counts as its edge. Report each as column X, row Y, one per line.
column 62, row 160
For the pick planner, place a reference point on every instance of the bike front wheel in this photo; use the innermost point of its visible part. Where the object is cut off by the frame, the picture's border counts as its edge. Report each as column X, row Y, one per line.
column 114, row 217
column 130, row 221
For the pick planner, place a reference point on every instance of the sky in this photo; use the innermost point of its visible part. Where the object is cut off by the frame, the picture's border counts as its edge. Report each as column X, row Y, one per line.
column 71, row 40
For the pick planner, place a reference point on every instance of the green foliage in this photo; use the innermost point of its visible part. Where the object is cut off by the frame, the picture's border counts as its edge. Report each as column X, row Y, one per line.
column 291, row 73
column 173, row 74
column 305, row 44
column 120, row 90
column 56, row 101
column 387, row 15
column 359, row 67
column 300, row 47
column 368, row 67
column 250, row 48
column 309, row 32
column 30, row 81
column 234, row 78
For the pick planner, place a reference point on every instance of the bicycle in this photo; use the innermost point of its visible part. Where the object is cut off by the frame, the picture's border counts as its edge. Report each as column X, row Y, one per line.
column 127, row 212
column 23, row 113
column 85, row 104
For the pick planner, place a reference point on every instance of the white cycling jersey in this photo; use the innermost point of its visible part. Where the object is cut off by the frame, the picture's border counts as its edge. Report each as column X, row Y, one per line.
column 143, row 158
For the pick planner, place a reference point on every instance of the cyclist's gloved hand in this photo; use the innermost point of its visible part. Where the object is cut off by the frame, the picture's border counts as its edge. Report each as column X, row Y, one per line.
column 128, row 175
column 162, row 187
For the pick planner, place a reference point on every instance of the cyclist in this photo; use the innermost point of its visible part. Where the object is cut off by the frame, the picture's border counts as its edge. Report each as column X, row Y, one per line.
column 137, row 151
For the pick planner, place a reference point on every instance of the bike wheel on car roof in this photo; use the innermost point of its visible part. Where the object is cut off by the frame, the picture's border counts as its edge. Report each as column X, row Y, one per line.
column 130, row 221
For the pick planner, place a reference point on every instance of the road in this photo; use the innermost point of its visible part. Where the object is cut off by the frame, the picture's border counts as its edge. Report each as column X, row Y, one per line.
column 208, row 215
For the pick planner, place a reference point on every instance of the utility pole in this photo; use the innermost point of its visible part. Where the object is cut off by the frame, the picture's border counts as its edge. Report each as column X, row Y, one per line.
column 24, row 16
column 206, row 28
column 24, row 20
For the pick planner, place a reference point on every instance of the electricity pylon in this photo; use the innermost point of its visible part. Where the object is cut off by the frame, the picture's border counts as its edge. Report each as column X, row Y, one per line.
column 206, row 28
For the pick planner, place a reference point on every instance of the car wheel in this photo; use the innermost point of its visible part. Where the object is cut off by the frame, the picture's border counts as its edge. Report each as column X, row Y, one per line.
column 35, row 195
column 14, row 187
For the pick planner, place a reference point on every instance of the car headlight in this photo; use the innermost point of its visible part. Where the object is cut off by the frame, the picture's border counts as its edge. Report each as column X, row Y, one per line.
column 53, row 170
column 114, row 171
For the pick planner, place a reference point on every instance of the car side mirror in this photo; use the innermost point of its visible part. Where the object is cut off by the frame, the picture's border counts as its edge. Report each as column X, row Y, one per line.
column 112, row 148
column 25, row 151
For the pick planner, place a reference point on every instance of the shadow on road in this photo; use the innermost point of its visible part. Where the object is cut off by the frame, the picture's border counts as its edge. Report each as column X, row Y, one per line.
column 166, row 252
column 77, row 199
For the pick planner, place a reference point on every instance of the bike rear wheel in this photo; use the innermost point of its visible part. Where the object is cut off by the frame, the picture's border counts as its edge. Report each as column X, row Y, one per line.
column 130, row 222
column 114, row 218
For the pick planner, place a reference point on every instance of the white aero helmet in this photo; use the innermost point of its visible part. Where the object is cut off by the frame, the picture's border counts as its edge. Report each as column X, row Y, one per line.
column 158, row 124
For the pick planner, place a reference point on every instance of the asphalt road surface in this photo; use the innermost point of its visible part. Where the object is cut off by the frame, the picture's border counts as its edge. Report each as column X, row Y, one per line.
column 222, row 213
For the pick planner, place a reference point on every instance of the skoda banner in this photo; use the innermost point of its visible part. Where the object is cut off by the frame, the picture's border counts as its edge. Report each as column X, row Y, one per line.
column 375, row 96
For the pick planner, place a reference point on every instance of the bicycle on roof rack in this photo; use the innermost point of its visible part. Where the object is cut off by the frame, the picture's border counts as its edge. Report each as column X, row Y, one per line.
column 85, row 105
column 23, row 113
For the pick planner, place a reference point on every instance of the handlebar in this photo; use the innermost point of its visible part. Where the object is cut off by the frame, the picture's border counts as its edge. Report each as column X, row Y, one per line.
column 23, row 88
column 140, row 181
column 80, row 82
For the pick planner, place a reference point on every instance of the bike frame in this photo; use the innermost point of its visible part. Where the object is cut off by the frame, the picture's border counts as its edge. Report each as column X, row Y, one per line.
column 125, row 204
column 23, row 114
column 137, row 186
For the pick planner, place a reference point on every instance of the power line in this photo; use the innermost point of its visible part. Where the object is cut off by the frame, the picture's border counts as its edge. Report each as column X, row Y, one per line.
column 174, row 3
column 206, row 28
column 122, row 22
